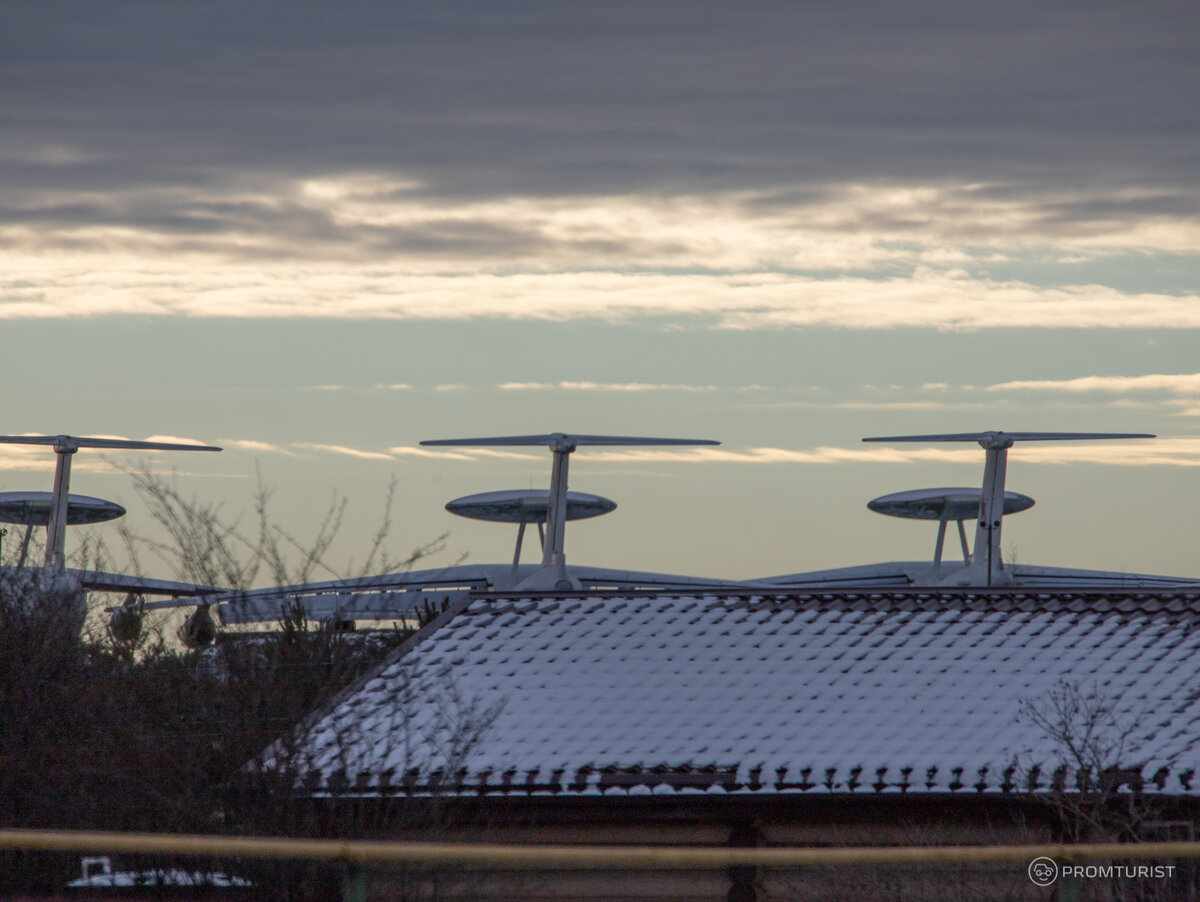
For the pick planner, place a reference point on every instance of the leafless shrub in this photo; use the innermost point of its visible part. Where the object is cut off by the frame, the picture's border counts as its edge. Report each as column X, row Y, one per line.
column 142, row 735
column 94, row 738
column 1096, row 791
column 1094, row 787
column 203, row 544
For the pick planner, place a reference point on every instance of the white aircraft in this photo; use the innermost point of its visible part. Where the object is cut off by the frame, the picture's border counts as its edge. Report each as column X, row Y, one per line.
column 982, row 564
column 56, row 510
column 403, row 596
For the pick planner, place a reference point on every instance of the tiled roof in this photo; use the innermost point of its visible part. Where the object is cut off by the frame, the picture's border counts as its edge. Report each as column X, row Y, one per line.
column 846, row 692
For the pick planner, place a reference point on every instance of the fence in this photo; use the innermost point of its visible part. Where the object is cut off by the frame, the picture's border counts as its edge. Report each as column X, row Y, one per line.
column 356, row 855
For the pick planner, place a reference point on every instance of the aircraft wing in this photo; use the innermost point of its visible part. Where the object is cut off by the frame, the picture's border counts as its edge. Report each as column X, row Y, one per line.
column 899, row 574
column 604, row 578
column 403, row 596
column 890, row 575
column 396, row 596
column 1030, row 576
column 99, row 581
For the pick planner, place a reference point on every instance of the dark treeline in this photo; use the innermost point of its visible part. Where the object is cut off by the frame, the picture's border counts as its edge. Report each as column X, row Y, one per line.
column 99, row 734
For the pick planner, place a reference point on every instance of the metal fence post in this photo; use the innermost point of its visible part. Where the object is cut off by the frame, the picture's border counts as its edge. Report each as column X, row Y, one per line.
column 354, row 882
column 1068, row 888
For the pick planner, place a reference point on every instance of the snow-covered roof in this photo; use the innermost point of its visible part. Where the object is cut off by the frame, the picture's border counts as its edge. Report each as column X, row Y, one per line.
column 799, row 692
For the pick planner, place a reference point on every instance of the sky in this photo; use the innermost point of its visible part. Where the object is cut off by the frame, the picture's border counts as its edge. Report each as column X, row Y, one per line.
column 316, row 234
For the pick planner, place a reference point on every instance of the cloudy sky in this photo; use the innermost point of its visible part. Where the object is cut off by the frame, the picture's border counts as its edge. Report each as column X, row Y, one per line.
column 317, row 234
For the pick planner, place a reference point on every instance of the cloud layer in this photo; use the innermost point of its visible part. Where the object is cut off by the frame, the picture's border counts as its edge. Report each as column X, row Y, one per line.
column 475, row 100
column 792, row 166
column 1170, row 383
column 1175, row 452
column 926, row 298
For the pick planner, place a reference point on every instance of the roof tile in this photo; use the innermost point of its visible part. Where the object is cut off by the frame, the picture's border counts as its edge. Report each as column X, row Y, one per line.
column 839, row 691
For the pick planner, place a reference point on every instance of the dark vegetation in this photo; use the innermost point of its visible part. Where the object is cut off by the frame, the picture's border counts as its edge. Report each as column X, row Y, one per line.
column 95, row 736
column 140, row 733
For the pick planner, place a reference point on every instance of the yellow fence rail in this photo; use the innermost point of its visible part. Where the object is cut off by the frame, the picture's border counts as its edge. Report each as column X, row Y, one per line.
column 580, row 857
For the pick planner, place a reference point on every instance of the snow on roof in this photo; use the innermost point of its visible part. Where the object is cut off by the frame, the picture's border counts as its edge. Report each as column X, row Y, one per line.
column 799, row 692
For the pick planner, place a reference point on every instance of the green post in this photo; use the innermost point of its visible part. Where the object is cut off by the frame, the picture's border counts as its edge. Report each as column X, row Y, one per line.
column 1068, row 888
column 354, row 882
